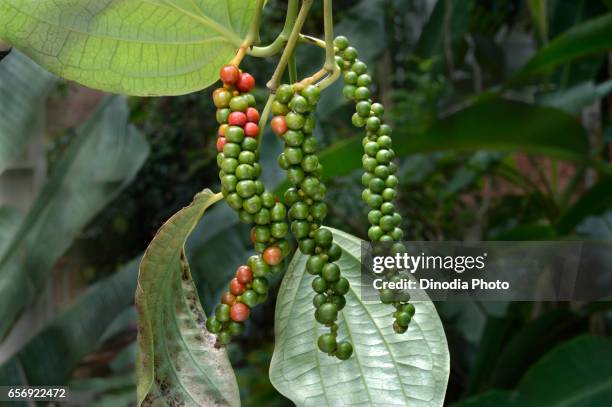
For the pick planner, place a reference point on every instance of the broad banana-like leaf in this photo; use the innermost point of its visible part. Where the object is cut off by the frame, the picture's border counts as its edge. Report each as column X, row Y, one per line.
column 178, row 363
column 386, row 369
column 136, row 47
column 23, row 87
column 51, row 356
column 104, row 157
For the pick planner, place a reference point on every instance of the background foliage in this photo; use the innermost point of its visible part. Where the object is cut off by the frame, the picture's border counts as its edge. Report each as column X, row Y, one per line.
column 502, row 118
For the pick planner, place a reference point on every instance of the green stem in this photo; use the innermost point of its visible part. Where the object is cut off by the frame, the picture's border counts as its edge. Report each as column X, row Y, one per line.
column 291, row 42
column 253, row 34
column 328, row 21
column 293, row 75
column 280, row 41
column 263, row 120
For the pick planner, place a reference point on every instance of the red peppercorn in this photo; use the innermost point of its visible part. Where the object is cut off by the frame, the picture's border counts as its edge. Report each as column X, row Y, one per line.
column 244, row 274
column 245, row 82
column 252, row 115
column 236, row 287
column 230, row 74
column 279, row 125
column 251, row 130
column 239, row 312
column 253, row 235
column 228, row 298
column 273, row 255
column 221, row 142
column 237, row 119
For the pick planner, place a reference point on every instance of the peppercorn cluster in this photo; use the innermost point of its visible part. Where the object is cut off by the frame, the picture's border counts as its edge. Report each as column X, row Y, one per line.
column 238, row 155
column 294, row 122
column 379, row 179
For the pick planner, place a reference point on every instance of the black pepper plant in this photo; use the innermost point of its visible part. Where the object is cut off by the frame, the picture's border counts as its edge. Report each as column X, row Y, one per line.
column 325, row 334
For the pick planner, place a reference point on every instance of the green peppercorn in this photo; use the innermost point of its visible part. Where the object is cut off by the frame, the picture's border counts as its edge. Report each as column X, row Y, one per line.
column 375, row 233
column 222, row 312
column 249, row 298
column 223, row 115
column 295, row 121
column 319, row 285
column 318, row 300
column 327, row 343
column 239, row 104
column 362, row 93
column 341, row 42
column 235, row 328
column 293, row 155
column 331, row 272
column 213, row 325
column 348, row 91
column 314, row 265
column 364, row 80
column 344, row 350
column 327, row 312
column 294, row 138
column 312, row 93
column 357, row 120
column 310, row 145
column 342, row 286
column 224, row 337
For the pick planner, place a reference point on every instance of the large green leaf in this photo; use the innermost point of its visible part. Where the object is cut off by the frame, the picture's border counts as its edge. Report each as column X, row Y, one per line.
column 137, row 47
column 386, row 368
column 178, row 362
column 591, row 37
column 103, row 158
column 49, row 358
column 23, row 85
column 577, row 373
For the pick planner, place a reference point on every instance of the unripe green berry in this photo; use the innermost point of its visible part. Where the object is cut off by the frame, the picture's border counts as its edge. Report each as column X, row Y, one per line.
column 222, row 312
column 348, row 91
column 260, row 285
column 314, row 265
column 234, row 134
column 245, row 189
column 224, row 337
column 350, row 54
column 374, row 217
column 373, row 123
column 328, row 312
column 323, row 238
column 341, row 42
column 377, row 185
column 249, row 298
column 299, row 104
column 239, row 104
column 300, row 229
column 319, row 285
column 278, row 212
column 334, row 252
column 293, row 138
column 213, row 325
column 378, row 109
column 295, row 121
column 375, row 233
column 331, row 272
column 344, row 350
column 357, row 120
column 279, row 230
column 284, row 93
column 310, row 145
column 293, row 155
column 312, row 94
column 342, row 286
column 364, row 80
column 362, row 93
column 318, row 300
column 279, row 109
column 363, row 108
column 359, row 67
column 350, row 78
column 327, row 343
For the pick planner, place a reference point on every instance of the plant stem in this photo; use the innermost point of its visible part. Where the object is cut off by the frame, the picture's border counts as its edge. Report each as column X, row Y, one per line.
column 290, row 47
column 328, row 21
column 263, row 120
column 293, row 75
column 275, row 47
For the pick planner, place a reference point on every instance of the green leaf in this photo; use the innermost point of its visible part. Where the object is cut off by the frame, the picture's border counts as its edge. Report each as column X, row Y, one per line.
column 385, row 369
column 593, row 202
column 177, row 359
column 9, row 222
column 577, row 373
column 137, row 47
column 23, row 86
column 588, row 38
column 574, row 99
column 102, row 159
column 51, row 356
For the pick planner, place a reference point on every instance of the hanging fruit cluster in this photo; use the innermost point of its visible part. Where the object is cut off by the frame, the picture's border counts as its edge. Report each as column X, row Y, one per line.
column 294, row 122
column 379, row 179
column 238, row 156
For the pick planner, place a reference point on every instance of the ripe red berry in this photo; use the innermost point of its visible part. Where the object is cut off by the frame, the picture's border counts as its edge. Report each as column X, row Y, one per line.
column 251, row 130
column 253, row 235
column 245, row 82
column 279, row 125
column 237, row 119
column 236, row 287
column 252, row 115
column 221, row 142
column 230, row 74
column 239, row 312
column 228, row 298
column 273, row 255
column 244, row 274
